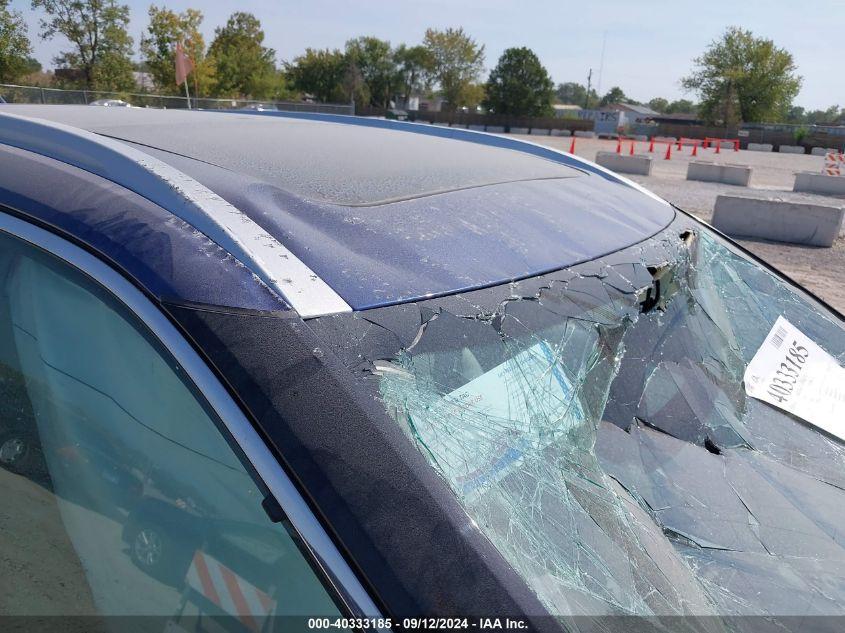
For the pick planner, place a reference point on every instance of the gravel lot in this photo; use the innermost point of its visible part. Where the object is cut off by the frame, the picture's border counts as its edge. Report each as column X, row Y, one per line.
column 820, row 269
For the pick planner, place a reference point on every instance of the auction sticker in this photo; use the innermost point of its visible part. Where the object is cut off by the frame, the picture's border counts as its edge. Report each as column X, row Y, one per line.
column 791, row 372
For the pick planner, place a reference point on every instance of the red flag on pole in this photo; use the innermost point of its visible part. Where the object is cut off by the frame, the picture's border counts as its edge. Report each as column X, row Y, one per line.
column 184, row 65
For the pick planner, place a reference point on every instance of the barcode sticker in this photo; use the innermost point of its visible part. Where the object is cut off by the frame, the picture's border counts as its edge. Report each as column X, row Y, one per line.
column 778, row 336
column 791, row 372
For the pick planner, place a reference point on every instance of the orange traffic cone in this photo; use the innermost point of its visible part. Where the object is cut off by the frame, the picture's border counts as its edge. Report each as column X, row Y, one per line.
column 695, row 150
column 572, row 146
column 619, row 146
column 651, row 145
column 668, row 152
column 632, row 148
column 718, row 146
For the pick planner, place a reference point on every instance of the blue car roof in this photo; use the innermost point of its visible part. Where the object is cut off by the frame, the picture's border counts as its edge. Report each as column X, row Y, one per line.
column 382, row 212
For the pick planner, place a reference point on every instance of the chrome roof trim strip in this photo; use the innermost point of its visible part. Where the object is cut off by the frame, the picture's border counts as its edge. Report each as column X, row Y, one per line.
column 186, row 198
column 296, row 509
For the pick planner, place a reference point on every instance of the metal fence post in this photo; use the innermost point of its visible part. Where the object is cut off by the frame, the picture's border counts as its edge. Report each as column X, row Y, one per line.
column 42, row 96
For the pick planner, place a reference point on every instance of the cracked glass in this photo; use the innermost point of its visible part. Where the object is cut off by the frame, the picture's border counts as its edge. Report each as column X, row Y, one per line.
column 594, row 426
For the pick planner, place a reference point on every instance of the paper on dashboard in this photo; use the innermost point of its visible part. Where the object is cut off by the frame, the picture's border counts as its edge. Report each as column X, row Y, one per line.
column 792, row 373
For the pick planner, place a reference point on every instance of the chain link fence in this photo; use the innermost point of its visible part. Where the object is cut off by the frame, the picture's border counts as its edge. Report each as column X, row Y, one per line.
column 11, row 93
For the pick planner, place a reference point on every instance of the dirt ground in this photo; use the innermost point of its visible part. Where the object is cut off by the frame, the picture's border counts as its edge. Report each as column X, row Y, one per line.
column 822, row 270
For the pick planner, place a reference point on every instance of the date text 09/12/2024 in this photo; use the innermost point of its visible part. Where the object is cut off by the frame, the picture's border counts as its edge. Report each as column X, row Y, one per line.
column 418, row 624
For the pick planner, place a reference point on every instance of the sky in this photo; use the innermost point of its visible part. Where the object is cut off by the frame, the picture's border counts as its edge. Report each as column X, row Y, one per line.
column 649, row 45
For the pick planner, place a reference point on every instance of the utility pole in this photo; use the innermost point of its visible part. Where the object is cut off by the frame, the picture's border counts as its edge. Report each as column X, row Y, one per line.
column 589, row 87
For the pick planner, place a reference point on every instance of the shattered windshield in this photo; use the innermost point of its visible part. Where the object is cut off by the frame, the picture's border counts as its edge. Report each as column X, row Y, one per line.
column 594, row 425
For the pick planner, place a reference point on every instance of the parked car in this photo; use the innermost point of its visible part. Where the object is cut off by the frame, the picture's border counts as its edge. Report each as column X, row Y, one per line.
column 453, row 375
column 111, row 103
column 260, row 107
column 396, row 114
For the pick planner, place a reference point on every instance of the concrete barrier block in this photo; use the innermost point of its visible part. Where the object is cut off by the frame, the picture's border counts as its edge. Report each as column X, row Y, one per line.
column 665, row 139
column 476, row 128
column 462, row 126
column 624, row 163
column 811, row 182
column 714, row 172
column 496, row 129
column 519, row 130
column 760, row 147
column 640, row 137
column 540, row 131
column 556, row 132
column 441, row 124
column 780, row 220
column 791, row 149
column 821, row 151
column 585, row 134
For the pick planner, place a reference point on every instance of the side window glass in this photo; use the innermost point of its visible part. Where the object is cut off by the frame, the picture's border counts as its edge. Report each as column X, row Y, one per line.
column 121, row 493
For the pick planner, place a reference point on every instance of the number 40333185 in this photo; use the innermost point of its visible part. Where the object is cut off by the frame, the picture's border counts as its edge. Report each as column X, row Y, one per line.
column 783, row 382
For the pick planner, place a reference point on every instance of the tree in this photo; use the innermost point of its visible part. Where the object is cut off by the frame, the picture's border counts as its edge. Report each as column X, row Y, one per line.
column 658, row 104
column 353, row 86
column 684, row 106
column 375, row 61
column 457, row 61
column 101, row 48
column 519, row 85
column 741, row 77
column 473, row 95
column 245, row 67
column 832, row 115
column 165, row 29
column 320, row 73
column 415, row 66
column 573, row 93
column 14, row 45
column 614, row 95
column 796, row 114
column 32, row 66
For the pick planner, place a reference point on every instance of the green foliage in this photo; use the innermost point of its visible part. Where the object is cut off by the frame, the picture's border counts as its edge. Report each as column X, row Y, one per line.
column 245, row 67
column 796, row 114
column 519, row 85
column 374, row 60
column 319, row 73
column 664, row 106
column 101, row 47
column 368, row 72
column 14, row 45
column 457, row 62
column 576, row 94
column 684, row 106
column 283, row 88
column 473, row 95
column 615, row 95
column 415, row 66
column 832, row 115
column 741, row 77
column 165, row 29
